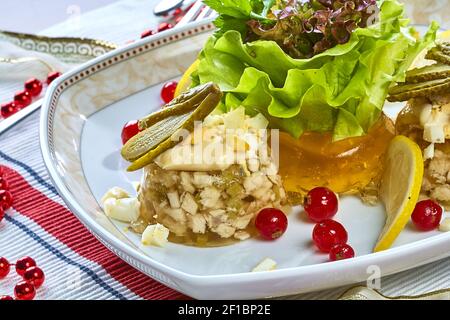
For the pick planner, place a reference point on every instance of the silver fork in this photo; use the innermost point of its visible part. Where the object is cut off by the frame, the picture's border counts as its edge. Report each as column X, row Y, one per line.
column 198, row 12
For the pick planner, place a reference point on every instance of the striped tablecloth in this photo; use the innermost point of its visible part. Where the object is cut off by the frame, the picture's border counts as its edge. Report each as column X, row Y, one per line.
column 77, row 266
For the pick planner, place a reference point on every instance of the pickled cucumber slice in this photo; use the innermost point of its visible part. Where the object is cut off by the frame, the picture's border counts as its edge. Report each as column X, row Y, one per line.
column 151, row 137
column 431, row 72
column 438, row 55
column 185, row 102
column 161, row 136
column 444, row 47
column 407, row 91
column 406, row 87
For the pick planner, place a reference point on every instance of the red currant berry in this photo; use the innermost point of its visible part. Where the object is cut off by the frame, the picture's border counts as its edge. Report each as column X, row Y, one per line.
column 33, row 86
column 129, row 130
column 6, row 199
column 427, row 215
column 4, row 185
column 341, row 251
column 6, row 298
column 2, row 214
column 177, row 12
column 34, row 276
column 24, row 291
column 147, row 33
column 320, row 204
column 329, row 233
column 168, row 91
column 4, row 267
column 271, row 223
column 23, row 264
column 22, row 98
column 163, row 26
column 8, row 109
column 52, row 76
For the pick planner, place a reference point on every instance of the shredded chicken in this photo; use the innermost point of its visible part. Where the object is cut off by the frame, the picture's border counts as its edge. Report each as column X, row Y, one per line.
column 436, row 182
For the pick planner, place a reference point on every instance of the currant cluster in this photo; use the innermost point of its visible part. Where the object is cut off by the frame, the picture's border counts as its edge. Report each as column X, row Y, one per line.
column 321, row 204
column 176, row 16
column 32, row 278
column 6, row 198
column 22, row 99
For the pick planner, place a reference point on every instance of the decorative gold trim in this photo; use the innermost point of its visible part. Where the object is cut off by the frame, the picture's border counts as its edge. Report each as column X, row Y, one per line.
column 93, row 42
column 67, row 49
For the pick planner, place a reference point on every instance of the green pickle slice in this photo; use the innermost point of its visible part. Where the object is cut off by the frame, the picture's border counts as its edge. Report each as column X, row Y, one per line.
column 439, row 55
column 425, row 81
column 431, row 72
column 185, row 102
column 161, row 129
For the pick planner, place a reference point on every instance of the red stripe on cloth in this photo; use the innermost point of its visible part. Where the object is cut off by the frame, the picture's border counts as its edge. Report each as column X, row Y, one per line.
column 62, row 224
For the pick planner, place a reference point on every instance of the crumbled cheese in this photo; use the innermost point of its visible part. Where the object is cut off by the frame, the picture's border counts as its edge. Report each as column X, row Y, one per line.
column 156, row 235
column 115, row 193
column 266, row 265
column 126, row 209
column 445, row 225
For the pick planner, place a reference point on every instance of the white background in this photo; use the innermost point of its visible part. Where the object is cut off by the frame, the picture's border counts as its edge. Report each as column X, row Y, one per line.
column 32, row 16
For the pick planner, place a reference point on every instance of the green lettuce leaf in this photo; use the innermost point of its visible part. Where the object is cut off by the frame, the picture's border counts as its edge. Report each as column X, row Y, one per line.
column 342, row 90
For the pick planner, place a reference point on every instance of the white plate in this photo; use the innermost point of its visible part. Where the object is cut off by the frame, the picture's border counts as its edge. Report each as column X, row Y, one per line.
column 82, row 117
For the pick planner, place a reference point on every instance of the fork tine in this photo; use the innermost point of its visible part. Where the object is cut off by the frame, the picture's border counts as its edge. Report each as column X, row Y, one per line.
column 205, row 12
column 192, row 14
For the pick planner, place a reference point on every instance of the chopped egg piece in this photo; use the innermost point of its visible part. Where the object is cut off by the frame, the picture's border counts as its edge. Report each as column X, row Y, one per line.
column 266, row 265
column 115, row 193
column 235, row 119
column 445, row 225
column 125, row 209
column 257, row 122
column 434, row 133
column 156, row 235
column 428, row 152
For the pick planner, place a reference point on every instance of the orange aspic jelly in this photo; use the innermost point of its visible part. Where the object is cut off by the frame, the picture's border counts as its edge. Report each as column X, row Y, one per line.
column 344, row 166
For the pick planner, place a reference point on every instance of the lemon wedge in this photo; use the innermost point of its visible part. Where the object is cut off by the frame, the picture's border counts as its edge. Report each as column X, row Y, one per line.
column 444, row 35
column 185, row 81
column 400, row 187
